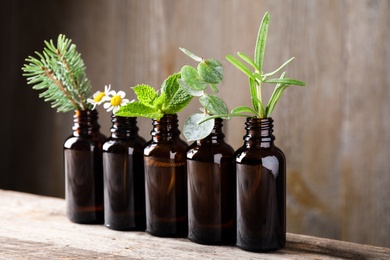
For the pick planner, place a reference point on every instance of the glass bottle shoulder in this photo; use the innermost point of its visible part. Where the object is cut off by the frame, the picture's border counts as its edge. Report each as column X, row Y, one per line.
column 84, row 142
column 254, row 155
column 124, row 145
column 174, row 149
column 209, row 151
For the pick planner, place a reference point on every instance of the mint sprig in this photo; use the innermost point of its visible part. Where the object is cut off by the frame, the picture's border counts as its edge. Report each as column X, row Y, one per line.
column 150, row 104
column 195, row 81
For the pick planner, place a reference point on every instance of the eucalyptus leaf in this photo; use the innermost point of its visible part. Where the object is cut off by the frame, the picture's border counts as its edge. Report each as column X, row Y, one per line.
column 191, row 55
column 193, row 130
column 213, row 104
column 191, row 77
column 189, row 90
column 214, row 88
column 211, row 71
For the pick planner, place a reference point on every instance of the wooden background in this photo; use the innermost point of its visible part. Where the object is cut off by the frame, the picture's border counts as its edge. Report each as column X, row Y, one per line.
column 335, row 132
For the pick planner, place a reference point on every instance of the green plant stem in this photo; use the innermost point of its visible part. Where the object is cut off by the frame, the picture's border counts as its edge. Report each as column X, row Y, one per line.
column 259, row 97
column 49, row 74
column 61, row 57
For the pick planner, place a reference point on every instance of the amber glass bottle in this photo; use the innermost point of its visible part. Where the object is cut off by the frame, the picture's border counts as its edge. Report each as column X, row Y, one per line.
column 261, row 189
column 211, row 189
column 166, row 180
column 84, row 170
column 124, row 183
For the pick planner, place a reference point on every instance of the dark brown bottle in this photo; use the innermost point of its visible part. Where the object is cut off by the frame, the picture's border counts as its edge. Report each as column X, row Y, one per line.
column 124, row 182
column 261, row 189
column 84, row 170
column 211, row 189
column 166, row 180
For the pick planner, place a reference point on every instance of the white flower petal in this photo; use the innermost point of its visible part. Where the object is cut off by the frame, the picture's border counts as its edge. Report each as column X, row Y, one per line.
column 115, row 109
column 112, row 93
column 125, row 101
column 96, row 93
column 121, row 93
column 106, row 105
column 110, row 108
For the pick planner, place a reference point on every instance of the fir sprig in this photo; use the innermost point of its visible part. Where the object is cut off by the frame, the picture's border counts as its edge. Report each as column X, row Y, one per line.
column 60, row 72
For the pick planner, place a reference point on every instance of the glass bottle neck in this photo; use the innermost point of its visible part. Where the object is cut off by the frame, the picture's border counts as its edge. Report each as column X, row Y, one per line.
column 166, row 128
column 123, row 127
column 259, row 132
column 85, row 122
column 216, row 135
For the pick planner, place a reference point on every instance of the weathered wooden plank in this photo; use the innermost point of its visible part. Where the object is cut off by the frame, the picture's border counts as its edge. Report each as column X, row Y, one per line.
column 35, row 227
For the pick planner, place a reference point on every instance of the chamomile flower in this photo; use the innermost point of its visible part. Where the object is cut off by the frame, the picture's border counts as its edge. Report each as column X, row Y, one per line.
column 99, row 97
column 115, row 101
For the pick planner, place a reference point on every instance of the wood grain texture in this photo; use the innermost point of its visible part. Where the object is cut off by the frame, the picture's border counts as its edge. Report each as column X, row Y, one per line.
column 35, row 227
column 335, row 132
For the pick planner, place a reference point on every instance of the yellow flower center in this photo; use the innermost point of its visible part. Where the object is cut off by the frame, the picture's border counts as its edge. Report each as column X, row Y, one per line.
column 99, row 97
column 116, row 100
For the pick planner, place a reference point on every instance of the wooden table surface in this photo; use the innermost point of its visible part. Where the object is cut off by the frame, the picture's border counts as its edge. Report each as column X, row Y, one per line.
column 36, row 227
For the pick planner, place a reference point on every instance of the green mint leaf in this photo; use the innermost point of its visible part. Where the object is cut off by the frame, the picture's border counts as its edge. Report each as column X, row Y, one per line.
column 191, row 55
column 213, row 104
column 191, row 77
column 189, row 90
column 211, row 71
column 145, row 94
column 137, row 109
column 193, row 130
column 176, row 98
column 261, row 42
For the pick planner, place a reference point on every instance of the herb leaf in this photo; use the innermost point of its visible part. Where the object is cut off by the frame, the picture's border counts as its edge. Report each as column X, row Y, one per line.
column 145, row 94
column 191, row 77
column 261, row 42
column 213, row 104
column 211, row 71
column 288, row 81
column 191, row 55
column 176, row 98
column 138, row 109
column 239, row 65
column 189, row 89
column 243, row 109
column 192, row 130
